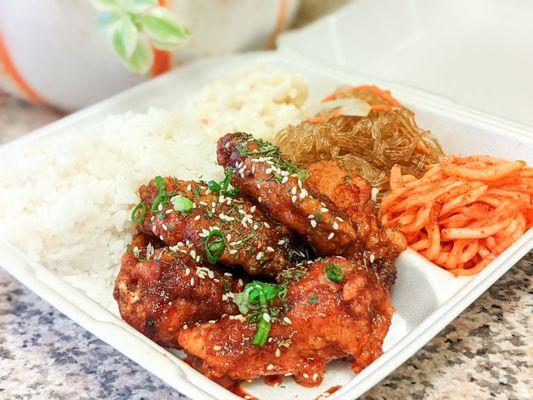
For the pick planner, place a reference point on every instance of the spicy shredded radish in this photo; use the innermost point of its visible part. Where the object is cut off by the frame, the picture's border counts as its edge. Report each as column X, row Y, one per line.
column 462, row 213
column 368, row 145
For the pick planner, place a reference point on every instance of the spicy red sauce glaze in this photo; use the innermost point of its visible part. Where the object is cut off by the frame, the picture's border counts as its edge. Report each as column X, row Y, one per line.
column 239, row 391
column 273, row 380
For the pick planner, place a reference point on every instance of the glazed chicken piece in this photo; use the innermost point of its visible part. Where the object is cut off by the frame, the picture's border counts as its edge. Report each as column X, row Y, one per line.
column 278, row 186
column 218, row 228
column 334, row 308
column 352, row 194
column 160, row 292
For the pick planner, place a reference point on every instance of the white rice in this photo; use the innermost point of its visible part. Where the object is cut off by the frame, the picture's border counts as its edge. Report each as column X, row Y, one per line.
column 261, row 102
column 66, row 200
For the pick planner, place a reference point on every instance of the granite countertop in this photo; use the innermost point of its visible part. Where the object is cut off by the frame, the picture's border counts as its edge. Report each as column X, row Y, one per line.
column 485, row 353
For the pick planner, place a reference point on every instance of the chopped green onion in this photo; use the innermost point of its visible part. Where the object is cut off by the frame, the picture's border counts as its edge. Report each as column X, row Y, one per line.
column 138, row 213
column 214, row 186
column 312, row 297
column 214, row 248
column 334, row 272
column 162, row 197
column 261, row 335
column 182, row 204
column 223, row 187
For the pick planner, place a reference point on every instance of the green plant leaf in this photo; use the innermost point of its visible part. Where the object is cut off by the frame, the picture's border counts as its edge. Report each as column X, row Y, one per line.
column 164, row 28
column 138, row 6
column 108, row 5
column 142, row 58
column 124, row 37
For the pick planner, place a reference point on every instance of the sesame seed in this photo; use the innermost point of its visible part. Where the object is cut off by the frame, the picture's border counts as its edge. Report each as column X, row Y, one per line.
column 339, row 219
column 313, row 223
column 227, row 274
column 270, row 249
column 259, row 255
column 266, row 317
column 196, row 218
column 266, row 224
column 284, row 180
column 372, row 258
column 252, row 209
column 270, row 367
column 335, row 225
column 287, row 320
column 189, row 187
column 311, row 216
column 293, row 199
column 330, row 236
column 315, row 376
column 185, row 326
column 192, row 281
column 278, row 352
column 259, row 199
column 217, row 348
column 324, row 210
column 306, row 376
column 294, row 190
column 193, row 253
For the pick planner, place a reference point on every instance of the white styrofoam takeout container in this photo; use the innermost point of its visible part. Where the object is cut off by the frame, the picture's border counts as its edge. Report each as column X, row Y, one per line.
column 477, row 53
column 426, row 297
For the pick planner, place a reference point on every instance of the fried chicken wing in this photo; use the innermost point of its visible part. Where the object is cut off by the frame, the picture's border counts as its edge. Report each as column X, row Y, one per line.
column 261, row 174
column 352, row 195
column 160, row 292
column 335, row 308
column 219, row 228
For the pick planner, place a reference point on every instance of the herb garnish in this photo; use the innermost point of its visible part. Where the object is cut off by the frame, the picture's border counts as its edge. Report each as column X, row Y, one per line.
column 223, row 187
column 138, row 213
column 267, row 149
column 258, row 298
column 182, row 204
column 214, row 247
column 312, row 297
column 162, row 197
column 334, row 272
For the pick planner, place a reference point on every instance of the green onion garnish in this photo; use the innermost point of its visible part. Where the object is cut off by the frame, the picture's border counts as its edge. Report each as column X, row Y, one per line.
column 261, row 335
column 214, row 186
column 182, row 204
column 138, row 213
column 312, row 297
column 223, row 187
column 334, row 272
column 162, row 197
column 214, row 248
column 257, row 297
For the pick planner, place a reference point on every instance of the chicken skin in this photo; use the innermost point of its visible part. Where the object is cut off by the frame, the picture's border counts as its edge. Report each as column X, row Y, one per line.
column 331, row 209
column 351, row 194
column 334, row 308
column 278, row 186
column 219, row 228
column 160, row 292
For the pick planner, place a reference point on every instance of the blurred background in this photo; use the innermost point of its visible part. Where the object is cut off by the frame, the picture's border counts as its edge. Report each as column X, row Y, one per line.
column 55, row 65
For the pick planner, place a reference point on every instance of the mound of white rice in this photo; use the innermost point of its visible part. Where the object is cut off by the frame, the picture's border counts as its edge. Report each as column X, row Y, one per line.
column 66, row 200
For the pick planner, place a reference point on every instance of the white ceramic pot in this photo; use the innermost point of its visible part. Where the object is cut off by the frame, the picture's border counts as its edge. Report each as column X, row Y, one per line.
column 51, row 51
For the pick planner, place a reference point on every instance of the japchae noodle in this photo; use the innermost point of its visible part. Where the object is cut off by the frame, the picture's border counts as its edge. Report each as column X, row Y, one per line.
column 368, row 145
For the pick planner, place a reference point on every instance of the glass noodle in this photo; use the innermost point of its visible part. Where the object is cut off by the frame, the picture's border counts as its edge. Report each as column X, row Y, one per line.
column 367, row 145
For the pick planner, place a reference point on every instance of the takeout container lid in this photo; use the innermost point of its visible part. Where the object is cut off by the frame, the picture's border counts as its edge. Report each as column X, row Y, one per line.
column 476, row 53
